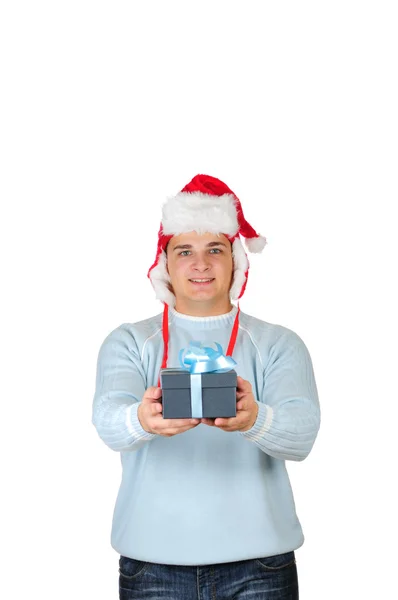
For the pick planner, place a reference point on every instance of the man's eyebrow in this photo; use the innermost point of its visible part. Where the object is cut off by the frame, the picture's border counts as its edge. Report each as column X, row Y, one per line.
column 189, row 246
column 183, row 246
column 216, row 244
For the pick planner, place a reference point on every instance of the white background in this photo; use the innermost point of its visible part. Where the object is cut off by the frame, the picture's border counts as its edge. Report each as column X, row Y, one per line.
column 107, row 108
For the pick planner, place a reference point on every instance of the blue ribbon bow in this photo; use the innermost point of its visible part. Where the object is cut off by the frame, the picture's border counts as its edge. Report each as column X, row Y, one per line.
column 202, row 359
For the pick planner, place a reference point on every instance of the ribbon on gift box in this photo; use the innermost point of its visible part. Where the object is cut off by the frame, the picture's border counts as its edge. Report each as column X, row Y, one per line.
column 200, row 359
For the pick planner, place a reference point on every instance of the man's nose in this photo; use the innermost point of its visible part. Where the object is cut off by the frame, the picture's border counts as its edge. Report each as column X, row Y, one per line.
column 201, row 263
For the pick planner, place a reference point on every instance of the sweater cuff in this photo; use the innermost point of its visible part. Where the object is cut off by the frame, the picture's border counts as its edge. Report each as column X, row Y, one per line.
column 262, row 423
column 139, row 433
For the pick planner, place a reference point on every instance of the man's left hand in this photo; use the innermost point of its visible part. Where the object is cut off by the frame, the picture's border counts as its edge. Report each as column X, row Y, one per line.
column 246, row 410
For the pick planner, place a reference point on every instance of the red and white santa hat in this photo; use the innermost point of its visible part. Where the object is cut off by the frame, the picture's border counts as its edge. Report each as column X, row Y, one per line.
column 205, row 205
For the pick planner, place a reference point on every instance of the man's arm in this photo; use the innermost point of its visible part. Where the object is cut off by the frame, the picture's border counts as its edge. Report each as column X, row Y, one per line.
column 288, row 417
column 120, row 386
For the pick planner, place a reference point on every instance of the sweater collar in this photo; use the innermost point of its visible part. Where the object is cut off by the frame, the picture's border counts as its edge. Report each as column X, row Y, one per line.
column 191, row 322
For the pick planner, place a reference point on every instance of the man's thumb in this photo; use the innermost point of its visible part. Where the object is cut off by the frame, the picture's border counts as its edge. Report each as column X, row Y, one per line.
column 152, row 394
column 243, row 385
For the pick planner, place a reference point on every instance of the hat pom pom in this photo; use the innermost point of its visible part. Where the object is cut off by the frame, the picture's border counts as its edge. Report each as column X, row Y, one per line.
column 255, row 244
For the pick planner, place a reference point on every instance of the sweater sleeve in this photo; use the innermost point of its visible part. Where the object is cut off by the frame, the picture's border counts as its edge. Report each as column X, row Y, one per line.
column 120, row 385
column 288, row 417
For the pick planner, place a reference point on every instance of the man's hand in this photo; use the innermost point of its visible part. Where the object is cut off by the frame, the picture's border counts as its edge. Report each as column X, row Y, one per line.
column 150, row 416
column 246, row 410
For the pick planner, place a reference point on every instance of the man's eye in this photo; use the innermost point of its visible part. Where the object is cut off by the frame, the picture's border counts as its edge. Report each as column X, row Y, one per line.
column 216, row 250
column 183, row 253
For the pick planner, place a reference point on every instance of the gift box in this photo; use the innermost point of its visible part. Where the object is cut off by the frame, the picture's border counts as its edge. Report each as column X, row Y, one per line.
column 188, row 395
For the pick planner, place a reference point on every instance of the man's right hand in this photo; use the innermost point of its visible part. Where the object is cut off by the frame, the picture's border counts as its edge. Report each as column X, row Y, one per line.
column 150, row 416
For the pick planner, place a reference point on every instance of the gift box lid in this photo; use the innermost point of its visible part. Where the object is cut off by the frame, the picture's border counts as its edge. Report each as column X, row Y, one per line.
column 174, row 378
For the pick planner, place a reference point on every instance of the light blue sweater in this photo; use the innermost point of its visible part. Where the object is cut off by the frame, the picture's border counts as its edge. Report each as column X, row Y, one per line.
column 207, row 496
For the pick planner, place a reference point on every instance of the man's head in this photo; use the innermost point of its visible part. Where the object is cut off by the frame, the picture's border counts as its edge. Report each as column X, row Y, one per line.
column 201, row 270
column 207, row 210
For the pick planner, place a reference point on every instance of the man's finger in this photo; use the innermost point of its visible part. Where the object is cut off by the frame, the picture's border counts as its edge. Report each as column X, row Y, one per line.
column 243, row 385
column 221, row 422
column 179, row 423
column 156, row 408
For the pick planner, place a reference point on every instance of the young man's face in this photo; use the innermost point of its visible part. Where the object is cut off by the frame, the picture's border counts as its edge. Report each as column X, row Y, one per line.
column 200, row 268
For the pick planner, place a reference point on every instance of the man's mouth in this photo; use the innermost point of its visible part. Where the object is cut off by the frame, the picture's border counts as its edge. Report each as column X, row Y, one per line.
column 198, row 281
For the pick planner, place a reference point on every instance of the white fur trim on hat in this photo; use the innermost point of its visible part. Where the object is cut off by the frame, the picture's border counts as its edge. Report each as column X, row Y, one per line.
column 241, row 265
column 203, row 213
column 160, row 280
column 255, row 244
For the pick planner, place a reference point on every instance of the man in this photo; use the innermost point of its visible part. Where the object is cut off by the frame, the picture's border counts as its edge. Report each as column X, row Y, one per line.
column 205, row 508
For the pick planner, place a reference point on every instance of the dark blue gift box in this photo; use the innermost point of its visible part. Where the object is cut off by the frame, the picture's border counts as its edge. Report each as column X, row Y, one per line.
column 217, row 391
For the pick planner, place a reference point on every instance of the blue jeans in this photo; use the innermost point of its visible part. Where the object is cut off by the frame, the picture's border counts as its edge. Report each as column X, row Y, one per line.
column 270, row 578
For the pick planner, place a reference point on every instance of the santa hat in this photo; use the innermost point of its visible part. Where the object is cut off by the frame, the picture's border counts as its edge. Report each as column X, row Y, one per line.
column 205, row 205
